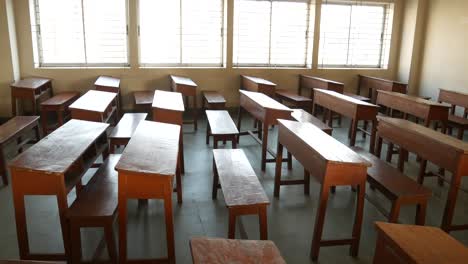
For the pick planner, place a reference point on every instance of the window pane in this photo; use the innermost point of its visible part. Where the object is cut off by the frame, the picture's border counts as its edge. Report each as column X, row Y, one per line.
column 61, row 34
column 106, row 31
column 159, row 31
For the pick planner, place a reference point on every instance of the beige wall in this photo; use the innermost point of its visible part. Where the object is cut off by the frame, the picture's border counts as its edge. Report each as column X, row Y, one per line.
column 225, row 80
column 445, row 56
column 410, row 10
column 6, row 68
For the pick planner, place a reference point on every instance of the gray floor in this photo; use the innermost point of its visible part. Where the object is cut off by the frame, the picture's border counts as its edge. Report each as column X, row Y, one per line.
column 290, row 218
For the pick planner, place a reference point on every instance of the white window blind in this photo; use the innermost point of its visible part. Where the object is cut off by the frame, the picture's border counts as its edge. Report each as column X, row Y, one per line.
column 355, row 34
column 181, row 32
column 273, row 33
column 79, row 32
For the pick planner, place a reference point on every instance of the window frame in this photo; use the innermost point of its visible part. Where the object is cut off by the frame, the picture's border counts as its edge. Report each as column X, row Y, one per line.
column 37, row 47
column 223, row 54
column 381, row 65
column 309, row 42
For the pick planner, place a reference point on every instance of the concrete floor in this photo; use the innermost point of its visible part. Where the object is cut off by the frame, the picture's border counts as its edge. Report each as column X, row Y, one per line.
column 290, row 218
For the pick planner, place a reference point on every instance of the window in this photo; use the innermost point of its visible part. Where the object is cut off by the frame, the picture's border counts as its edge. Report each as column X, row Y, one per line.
column 181, row 33
column 355, row 34
column 79, row 32
column 273, row 33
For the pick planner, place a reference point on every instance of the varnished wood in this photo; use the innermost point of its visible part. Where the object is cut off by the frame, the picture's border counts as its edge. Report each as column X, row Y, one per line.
column 124, row 129
column 416, row 245
column 456, row 100
column 110, row 84
column 146, row 171
column 213, row 100
column 30, row 89
column 187, row 88
column 95, row 106
column 307, row 82
column 221, row 127
column 331, row 163
column 259, row 85
column 442, row 150
column 218, row 250
column 54, row 166
column 267, row 111
column 234, row 172
column 370, row 86
column 304, row 117
column 295, row 99
column 58, row 104
column 142, row 101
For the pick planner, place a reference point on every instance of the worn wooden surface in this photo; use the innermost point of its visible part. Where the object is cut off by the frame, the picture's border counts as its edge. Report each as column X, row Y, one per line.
column 107, row 83
column 94, row 101
column 220, row 122
column 259, row 85
column 127, row 125
column 304, row 117
column 16, row 126
column 370, row 85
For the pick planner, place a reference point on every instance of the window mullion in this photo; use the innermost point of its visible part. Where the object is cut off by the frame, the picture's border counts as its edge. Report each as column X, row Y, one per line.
column 271, row 20
column 84, row 31
column 180, row 32
column 349, row 33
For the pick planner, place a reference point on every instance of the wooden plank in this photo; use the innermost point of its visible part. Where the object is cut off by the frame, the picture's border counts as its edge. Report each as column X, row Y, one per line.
column 31, row 83
column 95, row 101
column 15, row 126
column 127, row 125
column 108, row 82
column 171, row 101
column 302, row 116
column 221, row 122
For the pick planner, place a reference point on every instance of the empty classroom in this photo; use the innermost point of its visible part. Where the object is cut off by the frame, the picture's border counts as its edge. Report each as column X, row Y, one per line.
column 234, row 131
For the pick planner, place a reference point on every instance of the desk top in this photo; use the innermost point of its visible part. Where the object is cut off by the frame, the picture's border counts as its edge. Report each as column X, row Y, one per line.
column 265, row 101
column 414, row 99
column 107, row 81
column 218, row 250
column 127, row 125
column 302, row 116
column 143, row 97
column 183, row 80
column 322, row 144
column 57, row 152
column 221, row 122
column 321, row 79
column 96, row 101
column 258, row 80
column 343, row 97
column 420, row 131
column 153, row 149
column 14, row 126
column 380, row 79
column 424, row 244
column 30, row 83
column 61, row 99
column 172, row 101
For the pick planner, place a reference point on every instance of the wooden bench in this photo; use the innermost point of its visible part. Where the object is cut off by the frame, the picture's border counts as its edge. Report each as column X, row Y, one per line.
column 124, row 130
column 259, row 85
column 242, row 191
column 96, row 207
column 16, row 130
column 213, row 100
column 221, row 127
column 294, row 98
column 358, row 97
column 218, row 250
column 397, row 187
column 59, row 105
column 455, row 99
column 143, row 100
column 370, row 86
column 304, row 117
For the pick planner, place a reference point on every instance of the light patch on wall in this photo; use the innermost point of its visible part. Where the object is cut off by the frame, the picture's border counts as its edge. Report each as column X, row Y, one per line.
column 464, row 20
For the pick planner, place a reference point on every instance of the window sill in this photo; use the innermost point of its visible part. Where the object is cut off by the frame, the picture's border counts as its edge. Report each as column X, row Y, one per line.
column 182, row 67
column 271, row 68
column 357, row 68
column 81, row 68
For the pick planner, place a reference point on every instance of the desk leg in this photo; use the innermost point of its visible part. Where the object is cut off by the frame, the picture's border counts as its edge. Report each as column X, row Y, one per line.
column 13, row 105
column 44, row 121
column 239, row 119
column 319, row 221
column 373, row 135
column 263, row 222
column 353, row 132
column 178, row 185
column 122, row 207
column 451, row 201
column 378, row 147
column 195, row 113
column 34, row 105
column 307, row 182
column 21, row 226
column 181, row 151
column 422, row 171
column 169, row 227
column 63, row 207
column 279, row 164
column 358, row 219
column 3, row 167
column 265, row 145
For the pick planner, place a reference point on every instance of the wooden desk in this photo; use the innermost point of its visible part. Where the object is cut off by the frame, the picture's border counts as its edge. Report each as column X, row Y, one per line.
column 442, row 150
column 168, row 107
column 310, row 83
column 267, row 111
column 456, row 99
column 59, row 105
column 418, row 107
column 112, row 85
column 123, row 131
column 416, row 244
column 187, row 88
column 344, row 105
column 373, row 84
column 143, row 101
column 146, row 171
column 16, row 130
column 258, row 85
column 54, row 166
column 95, row 106
column 32, row 89
column 332, row 164
column 218, row 250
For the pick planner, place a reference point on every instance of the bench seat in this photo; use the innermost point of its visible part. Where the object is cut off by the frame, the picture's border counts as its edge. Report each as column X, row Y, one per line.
column 218, row 250
column 304, row 117
column 213, row 100
column 358, row 97
column 143, row 100
column 396, row 186
column 124, row 130
column 96, row 206
column 458, row 122
column 59, row 104
column 221, row 127
column 242, row 190
column 294, row 98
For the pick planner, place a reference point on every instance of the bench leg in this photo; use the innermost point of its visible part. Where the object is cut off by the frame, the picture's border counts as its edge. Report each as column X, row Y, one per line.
column 307, row 182
column 460, row 133
column 179, row 185
column 239, row 119
column 208, row 133
column 366, row 123
column 361, row 192
column 215, row 142
column 394, row 212
column 421, row 213
column 234, row 142
column 263, row 222
column 389, row 152
column 75, row 241
column 353, row 132
column 44, row 121
column 279, row 164
column 264, row 145
column 401, row 159
column 289, row 161
column 215, row 182
column 3, row 168
column 169, row 228
column 260, row 130
column 195, row 113
column 378, row 148
column 181, row 152
column 232, row 225
column 110, row 241
column 422, row 171
column 319, row 221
